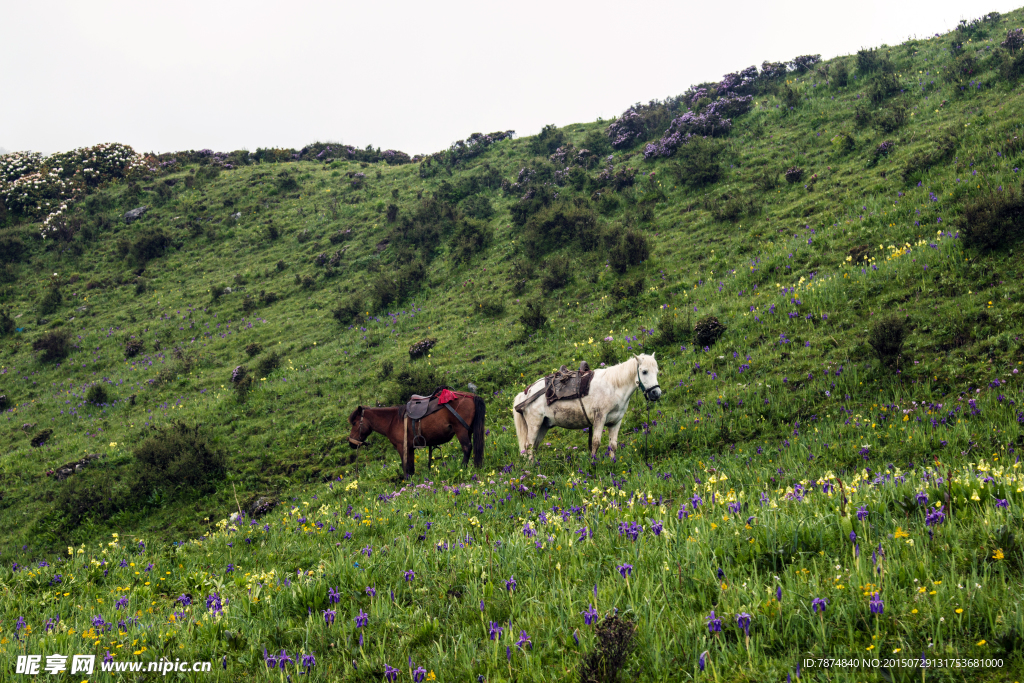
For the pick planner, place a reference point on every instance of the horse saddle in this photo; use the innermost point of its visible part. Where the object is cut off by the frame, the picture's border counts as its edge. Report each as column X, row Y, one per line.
column 562, row 385
column 419, row 407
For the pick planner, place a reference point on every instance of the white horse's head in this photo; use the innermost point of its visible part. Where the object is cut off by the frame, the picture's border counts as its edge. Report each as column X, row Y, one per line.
column 647, row 376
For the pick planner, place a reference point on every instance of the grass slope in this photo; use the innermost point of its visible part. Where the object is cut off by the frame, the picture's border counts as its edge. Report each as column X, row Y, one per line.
column 765, row 447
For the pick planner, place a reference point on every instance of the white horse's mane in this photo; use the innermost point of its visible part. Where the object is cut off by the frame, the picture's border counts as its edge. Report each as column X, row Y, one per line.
column 624, row 373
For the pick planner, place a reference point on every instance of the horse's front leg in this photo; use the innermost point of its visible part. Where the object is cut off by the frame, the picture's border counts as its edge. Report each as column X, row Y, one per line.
column 613, row 436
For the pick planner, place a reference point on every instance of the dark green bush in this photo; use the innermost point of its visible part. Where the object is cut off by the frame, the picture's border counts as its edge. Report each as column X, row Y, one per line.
column 557, row 273
column 624, row 290
column 632, row 250
column 150, row 245
column 419, row 379
column 533, row 317
column 698, row 162
column 97, row 395
column 869, row 60
column 547, row 141
column 55, row 344
column 559, row 225
column 707, row 330
column 253, row 349
column 890, row 118
column 87, row 495
column 267, row 364
column 672, row 330
column 470, row 237
column 534, row 200
column 180, row 458
column 478, row 206
column 887, row 337
column 838, row 74
column 7, row 324
column 614, row 643
column 993, row 221
column 349, row 310
column 286, row 182
column 51, row 300
column 883, row 86
column 962, row 69
column 11, row 247
column 491, row 307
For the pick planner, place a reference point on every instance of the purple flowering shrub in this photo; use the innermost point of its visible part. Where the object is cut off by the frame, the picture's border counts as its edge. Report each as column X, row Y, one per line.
column 1014, row 39
column 714, row 121
column 884, row 148
column 794, row 174
column 639, row 122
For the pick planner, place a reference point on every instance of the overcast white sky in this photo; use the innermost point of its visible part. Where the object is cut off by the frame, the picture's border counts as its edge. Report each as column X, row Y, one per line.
column 413, row 76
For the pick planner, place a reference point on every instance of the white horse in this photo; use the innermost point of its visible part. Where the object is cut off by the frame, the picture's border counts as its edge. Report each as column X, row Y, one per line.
column 605, row 405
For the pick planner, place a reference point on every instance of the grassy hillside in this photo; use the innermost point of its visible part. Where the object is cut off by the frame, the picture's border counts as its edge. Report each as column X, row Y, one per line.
column 854, row 225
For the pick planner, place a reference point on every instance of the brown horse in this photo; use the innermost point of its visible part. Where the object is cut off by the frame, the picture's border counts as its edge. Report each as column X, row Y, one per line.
column 436, row 429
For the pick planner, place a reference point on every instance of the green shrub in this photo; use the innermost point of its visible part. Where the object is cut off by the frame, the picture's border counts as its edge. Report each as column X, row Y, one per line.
column 491, row 307
column 624, row 290
column 7, row 324
column 180, row 458
column 632, row 250
column 349, row 310
column 838, row 74
column 286, row 183
column 478, row 206
column 253, row 349
column 51, row 300
column 97, row 395
column 869, row 60
column 891, row 118
column 11, row 247
column 419, row 379
column 470, row 237
column 54, row 344
column 887, row 337
column 267, row 364
column 672, row 330
column 614, row 643
column 698, row 162
column 993, row 221
column 883, row 86
column 533, row 317
column 150, row 245
column 547, row 141
column 559, row 225
column 557, row 273
column 707, row 330
column 87, row 495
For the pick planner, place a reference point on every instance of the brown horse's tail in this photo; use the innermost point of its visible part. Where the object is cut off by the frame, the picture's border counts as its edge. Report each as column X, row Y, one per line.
column 477, row 428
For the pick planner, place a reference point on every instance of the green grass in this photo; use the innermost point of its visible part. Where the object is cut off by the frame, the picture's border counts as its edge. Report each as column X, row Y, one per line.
column 788, row 413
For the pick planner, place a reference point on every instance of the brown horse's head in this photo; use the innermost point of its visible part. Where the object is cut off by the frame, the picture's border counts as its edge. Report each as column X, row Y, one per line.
column 360, row 428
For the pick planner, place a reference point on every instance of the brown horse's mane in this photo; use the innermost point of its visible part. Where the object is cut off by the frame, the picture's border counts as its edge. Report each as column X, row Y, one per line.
column 355, row 416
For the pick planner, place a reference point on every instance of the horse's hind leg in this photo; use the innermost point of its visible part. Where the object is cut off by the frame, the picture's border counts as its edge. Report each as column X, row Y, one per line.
column 467, row 448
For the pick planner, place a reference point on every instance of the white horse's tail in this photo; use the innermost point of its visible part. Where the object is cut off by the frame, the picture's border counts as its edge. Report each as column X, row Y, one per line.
column 520, row 422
